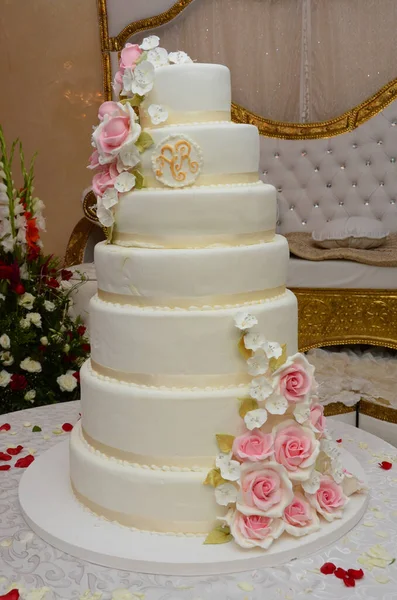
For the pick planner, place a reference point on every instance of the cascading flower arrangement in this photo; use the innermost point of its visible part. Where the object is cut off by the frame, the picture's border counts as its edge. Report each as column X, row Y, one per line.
column 41, row 346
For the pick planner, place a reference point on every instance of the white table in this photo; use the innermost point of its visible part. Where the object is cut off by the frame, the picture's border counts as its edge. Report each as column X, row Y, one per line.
column 26, row 559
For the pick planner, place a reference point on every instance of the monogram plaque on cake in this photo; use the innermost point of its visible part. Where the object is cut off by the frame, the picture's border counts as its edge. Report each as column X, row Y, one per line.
column 177, row 161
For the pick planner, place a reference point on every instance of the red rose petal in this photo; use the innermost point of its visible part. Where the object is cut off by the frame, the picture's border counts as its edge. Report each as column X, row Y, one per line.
column 355, row 573
column 349, row 581
column 4, row 456
column 5, row 468
column 24, row 462
column 385, row 465
column 340, row 573
column 339, row 441
column 12, row 595
column 5, row 427
column 328, row 568
column 67, row 427
column 15, row 451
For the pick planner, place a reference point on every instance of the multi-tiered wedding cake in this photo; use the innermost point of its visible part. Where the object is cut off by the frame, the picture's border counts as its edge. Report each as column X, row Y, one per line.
column 198, row 415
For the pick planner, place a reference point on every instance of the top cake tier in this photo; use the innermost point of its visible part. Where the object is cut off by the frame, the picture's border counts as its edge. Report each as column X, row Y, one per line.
column 191, row 93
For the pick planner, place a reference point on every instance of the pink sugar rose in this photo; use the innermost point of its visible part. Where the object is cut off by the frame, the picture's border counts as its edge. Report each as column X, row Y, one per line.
column 317, row 418
column 296, row 448
column 117, row 131
column 300, row 518
column 249, row 531
column 329, row 500
column 129, row 56
column 294, row 379
column 265, row 489
column 94, row 160
column 253, row 445
column 108, row 108
column 104, row 179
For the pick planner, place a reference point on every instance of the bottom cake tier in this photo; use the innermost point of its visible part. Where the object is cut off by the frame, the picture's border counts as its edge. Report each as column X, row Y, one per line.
column 158, row 499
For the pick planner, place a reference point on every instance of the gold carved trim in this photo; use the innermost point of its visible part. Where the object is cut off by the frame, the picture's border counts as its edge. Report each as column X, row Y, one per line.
column 338, row 408
column 77, row 242
column 331, row 317
column 383, row 413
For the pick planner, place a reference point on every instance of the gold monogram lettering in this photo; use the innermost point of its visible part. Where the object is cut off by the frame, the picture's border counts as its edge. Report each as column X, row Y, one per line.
column 177, row 156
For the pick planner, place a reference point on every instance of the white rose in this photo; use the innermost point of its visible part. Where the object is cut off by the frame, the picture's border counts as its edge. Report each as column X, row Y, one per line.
column 5, row 341
column 5, row 378
column 30, row 395
column 27, row 301
column 6, row 358
column 48, row 305
column 2, row 297
column 44, row 341
column 35, row 318
column 67, row 382
column 30, row 365
column 24, row 323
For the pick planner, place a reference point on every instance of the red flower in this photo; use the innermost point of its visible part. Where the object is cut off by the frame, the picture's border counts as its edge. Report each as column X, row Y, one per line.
column 42, row 348
column 19, row 289
column 4, row 456
column 339, row 441
column 76, row 375
column 85, row 347
column 12, row 595
column 18, row 382
column 81, row 329
column 67, row 427
column 66, row 275
column 355, row 573
column 69, row 334
column 14, row 451
column 52, row 282
column 328, row 568
column 4, row 468
column 24, row 462
column 385, row 465
column 69, row 358
column 11, row 272
column 349, row 581
column 33, row 253
column 340, row 573
column 5, row 427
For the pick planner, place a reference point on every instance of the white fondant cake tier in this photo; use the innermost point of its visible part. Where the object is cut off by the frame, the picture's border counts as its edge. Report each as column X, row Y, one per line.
column 148, row 499
column 229, row 153
column 183, row 278
column 188, row 91
column 182, row 348
column 196, row 216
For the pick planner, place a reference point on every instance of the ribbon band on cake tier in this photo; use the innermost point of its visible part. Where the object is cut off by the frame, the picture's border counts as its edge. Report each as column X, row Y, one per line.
column 209, row 179
column 143, row 523
column 178, row 242
column 174, row 380
column 179, row 462
column 187, row 302
column 185, row 118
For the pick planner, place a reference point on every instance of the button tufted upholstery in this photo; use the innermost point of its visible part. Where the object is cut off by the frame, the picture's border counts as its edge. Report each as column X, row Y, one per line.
column 353, row 174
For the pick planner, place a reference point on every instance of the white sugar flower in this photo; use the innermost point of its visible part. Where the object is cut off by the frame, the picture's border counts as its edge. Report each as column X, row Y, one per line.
column 129, row 157
column 258, row 364
column 179, row 58
column 272, row 349
column 244, row 320
column 148, row 43
column 124, row 182
column 312, row 484
column 35, row 318
column 30, row 365
column 157, row 113
column 5, row 341
column 30, row 395
column 105, row 203
column 254, row 419
column 329, row 447
column 158, row 57
column 67, row 382
column 337, row 470
column 302, row 412
column 26, row 300
column 142, row 79
column 225, row 494
column 254, row 341
column 276, row 404
column 5, row 378
column 44, row 340
column 49, row 306
column 24, row 323
column 260, row 389
column 6, row 358
column 230, row 469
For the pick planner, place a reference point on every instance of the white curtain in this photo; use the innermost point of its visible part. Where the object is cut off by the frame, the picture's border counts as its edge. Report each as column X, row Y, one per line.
column 291, row 60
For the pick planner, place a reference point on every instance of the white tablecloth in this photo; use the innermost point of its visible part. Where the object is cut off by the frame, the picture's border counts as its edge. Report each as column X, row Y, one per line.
column 27, row 560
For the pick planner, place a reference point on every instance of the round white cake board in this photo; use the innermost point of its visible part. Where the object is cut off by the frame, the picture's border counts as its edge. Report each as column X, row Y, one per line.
column 51, row 510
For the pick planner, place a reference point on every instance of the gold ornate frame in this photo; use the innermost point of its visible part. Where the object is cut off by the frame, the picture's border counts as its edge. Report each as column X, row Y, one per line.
column 326, row 316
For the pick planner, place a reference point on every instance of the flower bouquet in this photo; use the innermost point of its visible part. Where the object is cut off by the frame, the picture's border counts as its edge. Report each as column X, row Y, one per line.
column 41, row 346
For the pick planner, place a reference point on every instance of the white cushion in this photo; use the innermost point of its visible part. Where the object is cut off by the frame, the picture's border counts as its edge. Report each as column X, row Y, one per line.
column 351, row 232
